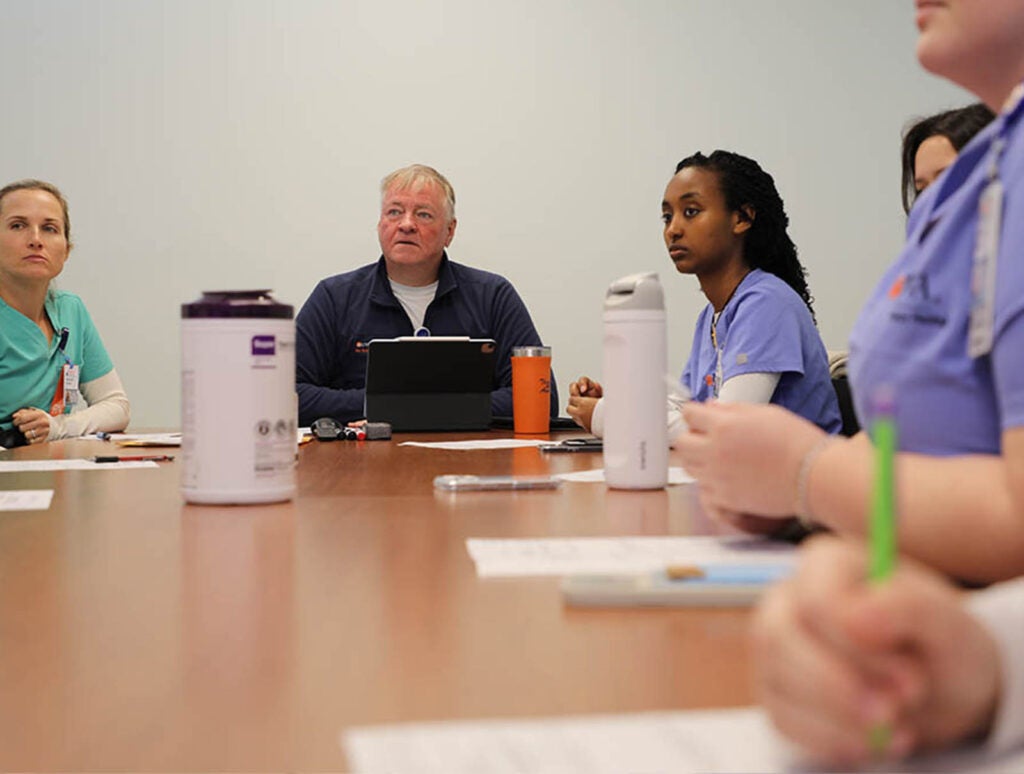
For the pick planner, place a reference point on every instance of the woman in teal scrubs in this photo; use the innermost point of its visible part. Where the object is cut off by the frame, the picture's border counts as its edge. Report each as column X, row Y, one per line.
column 56, row 378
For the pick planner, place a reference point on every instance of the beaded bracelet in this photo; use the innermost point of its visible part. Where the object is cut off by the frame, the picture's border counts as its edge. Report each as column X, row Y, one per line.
column 803, row 508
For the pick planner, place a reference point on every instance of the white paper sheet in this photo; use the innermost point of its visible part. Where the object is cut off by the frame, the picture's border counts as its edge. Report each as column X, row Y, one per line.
column 25, row 499
column 497, row 443
column 33, row 466
column 165, row 439
column 728, row 740
column 614, row 556
column 596, row 744
column 596, row 476
column 145, row 439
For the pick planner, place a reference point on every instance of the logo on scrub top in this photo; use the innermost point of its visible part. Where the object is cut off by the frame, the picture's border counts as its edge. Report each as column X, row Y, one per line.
column 913, row 286
column 264, row 345
column 915, row 302
column 897, row 287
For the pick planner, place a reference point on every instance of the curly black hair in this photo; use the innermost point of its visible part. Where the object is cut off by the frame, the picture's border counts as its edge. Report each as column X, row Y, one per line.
column 767, row 245
column 958, row 126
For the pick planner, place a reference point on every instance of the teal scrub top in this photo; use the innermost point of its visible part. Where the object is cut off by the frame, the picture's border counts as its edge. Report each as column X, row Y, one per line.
column 30, row 367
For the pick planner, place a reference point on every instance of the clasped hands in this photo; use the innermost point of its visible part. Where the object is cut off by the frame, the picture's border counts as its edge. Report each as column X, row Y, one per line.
column 583, row 396
column 33, row 423
column 837, row 657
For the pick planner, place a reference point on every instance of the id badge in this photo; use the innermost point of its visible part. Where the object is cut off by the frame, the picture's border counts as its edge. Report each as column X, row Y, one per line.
column 981, row 330
column 71, row 393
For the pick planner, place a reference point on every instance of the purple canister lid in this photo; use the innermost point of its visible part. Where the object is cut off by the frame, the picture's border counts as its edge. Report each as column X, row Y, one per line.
column 237, row 303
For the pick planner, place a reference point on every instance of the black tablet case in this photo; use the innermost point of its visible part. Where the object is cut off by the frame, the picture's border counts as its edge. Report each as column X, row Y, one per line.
column 430, row 383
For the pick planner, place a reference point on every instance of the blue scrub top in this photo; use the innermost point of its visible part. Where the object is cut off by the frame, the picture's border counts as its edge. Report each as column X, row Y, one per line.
column 765, row 327
column 911, row 335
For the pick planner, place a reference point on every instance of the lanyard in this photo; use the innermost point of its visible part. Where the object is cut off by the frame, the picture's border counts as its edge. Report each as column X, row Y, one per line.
column 62, row 342
column 67, row 382
column 981, row 327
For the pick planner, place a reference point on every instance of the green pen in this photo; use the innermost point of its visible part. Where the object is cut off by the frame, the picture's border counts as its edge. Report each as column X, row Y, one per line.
column 883, row 513
column 883, row 506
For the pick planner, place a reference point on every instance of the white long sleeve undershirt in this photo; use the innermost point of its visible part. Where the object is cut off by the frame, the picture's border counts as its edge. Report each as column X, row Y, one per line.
column 744, row 388
column 105, row 408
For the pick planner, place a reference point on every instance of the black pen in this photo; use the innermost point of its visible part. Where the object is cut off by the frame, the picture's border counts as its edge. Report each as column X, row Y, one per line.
column 146, row 458
column 576, row 445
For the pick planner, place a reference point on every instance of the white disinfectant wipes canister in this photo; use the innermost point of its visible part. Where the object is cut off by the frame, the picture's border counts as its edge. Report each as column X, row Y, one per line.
column 238, row 404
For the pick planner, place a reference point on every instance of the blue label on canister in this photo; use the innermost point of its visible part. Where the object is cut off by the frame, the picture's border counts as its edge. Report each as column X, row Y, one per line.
column 263, row 345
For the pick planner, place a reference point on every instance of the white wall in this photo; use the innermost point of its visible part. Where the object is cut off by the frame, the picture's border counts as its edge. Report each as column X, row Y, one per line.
column 233, row 144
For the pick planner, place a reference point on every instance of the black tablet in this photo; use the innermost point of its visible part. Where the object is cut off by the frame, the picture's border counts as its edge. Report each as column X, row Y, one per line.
column 430, row 383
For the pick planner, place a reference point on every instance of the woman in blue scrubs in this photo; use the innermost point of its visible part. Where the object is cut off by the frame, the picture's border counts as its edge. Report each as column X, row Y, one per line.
column 943, row 332
column 756, row 340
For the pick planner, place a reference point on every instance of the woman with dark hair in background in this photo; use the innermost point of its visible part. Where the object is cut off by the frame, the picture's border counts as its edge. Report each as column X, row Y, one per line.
column 931, row 144
column 756, row 341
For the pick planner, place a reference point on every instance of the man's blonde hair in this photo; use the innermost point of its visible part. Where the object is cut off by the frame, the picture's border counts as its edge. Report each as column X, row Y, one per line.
column 414, row 177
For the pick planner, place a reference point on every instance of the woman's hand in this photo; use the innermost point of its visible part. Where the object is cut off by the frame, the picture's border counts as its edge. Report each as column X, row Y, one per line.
column 746, row 457
column 837, row 657
column 33, row 423
column 585, row 387
column 583, row 396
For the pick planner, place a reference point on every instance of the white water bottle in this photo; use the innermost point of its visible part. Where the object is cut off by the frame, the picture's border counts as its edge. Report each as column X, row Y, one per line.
column 635, row 362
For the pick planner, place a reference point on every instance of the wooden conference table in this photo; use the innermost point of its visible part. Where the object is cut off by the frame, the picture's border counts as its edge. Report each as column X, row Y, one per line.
column 140, row 633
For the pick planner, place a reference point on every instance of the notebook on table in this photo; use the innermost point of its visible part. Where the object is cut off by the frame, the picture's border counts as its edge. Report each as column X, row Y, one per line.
column 430, row 383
